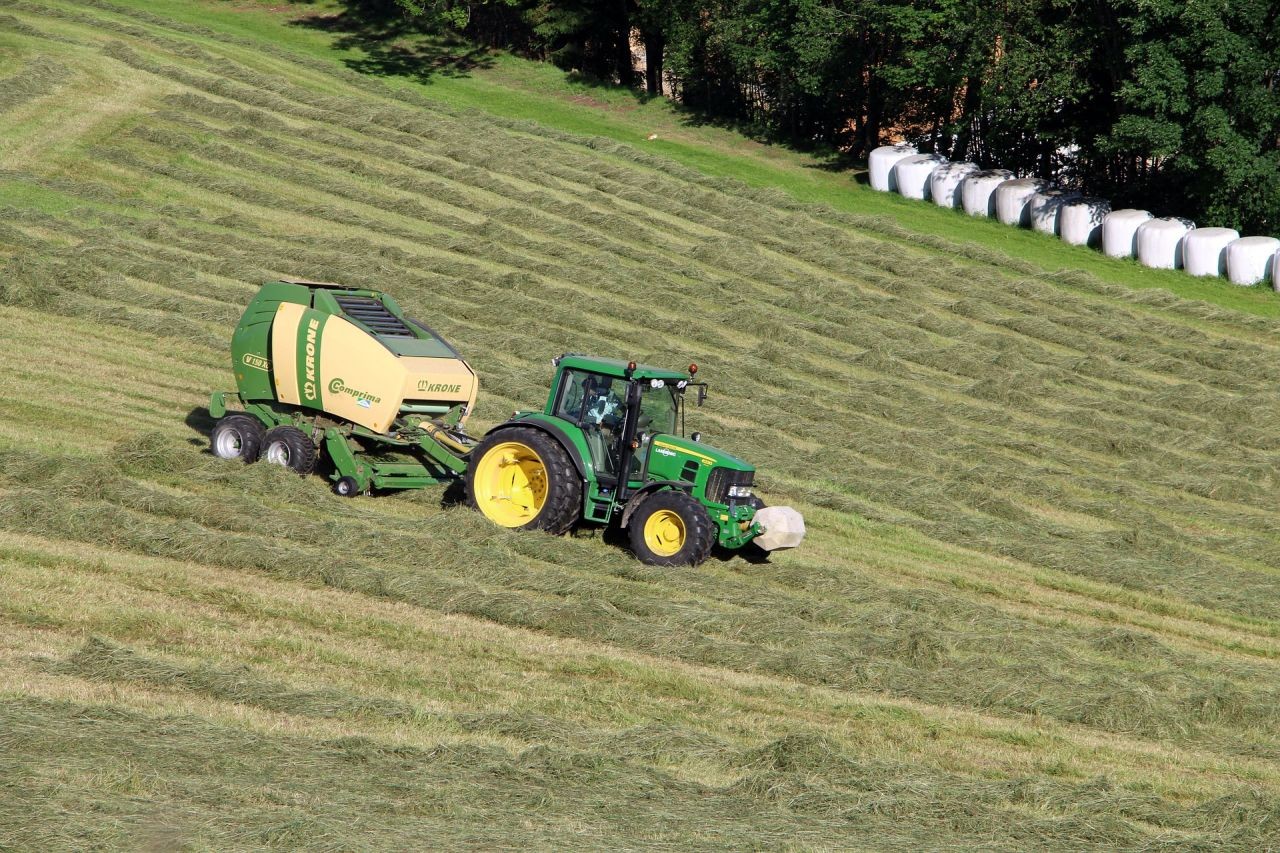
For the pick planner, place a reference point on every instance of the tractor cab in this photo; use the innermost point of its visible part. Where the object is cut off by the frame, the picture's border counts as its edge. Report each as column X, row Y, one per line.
column 625, row 424
column 618, row 407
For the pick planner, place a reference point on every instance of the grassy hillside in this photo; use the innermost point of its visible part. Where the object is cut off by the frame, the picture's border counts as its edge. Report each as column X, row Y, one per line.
column 1038, row 606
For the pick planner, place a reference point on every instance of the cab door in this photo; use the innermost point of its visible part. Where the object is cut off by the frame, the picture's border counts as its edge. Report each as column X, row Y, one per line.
column 596, row 404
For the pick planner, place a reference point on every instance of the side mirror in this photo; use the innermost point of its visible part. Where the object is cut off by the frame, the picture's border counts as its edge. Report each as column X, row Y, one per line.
column 702, row 395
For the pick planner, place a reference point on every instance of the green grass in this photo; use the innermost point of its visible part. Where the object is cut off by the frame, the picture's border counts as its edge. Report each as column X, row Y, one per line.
column 1038, row 602
column 530, row 91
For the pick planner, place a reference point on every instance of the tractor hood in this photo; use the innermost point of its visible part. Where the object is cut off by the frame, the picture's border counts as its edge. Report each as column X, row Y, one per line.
column 674, row 457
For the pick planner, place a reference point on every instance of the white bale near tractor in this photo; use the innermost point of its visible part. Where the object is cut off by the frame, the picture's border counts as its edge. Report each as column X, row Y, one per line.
column 783, row 527
column 1119, row 228
column 912, row 174
column 944, row 183
column 1251, row 260
column 977, row 191
column 1204, row 250
column 1160, row 242
column 1013, row 200
column 1046, row 209
column 881, row 162
column 1080, row 221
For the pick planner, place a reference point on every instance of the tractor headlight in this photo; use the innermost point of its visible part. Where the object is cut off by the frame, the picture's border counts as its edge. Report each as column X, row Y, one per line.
column 739, row 491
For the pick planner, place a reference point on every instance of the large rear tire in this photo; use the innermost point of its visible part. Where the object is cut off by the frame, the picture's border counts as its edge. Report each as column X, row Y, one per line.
column 520, row 477
column 237, row 436
column 290, row 447
column 671, row 528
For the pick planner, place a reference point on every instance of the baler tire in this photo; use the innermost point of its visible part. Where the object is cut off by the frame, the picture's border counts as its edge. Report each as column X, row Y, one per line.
column 698, row 533
column 237, row 436
column 562, row 505
column 290, row 447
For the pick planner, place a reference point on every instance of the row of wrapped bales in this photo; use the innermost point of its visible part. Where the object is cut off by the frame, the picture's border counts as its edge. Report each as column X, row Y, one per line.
column 1159, row 243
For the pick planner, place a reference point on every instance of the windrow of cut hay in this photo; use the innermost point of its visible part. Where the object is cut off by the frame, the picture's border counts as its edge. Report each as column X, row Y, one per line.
column 868, row 636
column 801, row 774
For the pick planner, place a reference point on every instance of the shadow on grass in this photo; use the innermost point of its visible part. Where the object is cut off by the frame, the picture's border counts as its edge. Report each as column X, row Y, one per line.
column 394, row 45
column 201, row 423
column 826, row 156
column 615, row 536
column 391, row 44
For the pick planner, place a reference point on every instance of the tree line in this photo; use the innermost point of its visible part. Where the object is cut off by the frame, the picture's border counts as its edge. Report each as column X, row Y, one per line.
column 1169, row 105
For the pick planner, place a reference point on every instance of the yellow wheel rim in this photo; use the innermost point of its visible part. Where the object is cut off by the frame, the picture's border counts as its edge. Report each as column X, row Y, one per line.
column 510, row 484
column 664, row 533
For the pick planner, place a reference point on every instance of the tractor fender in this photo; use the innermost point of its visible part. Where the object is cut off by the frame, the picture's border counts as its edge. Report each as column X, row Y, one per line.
column 646, row 490
column 555, row 432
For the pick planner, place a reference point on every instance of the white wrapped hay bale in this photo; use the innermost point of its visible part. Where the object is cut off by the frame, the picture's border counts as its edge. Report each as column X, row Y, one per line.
column 1118, row 232
column 1013, row 200
column 783, row 528
column 978, row 191
column 944, row 183
column 881, row 162
column 1250, row 260
column 1046, row 207
column 912, row 174
column 1160, row 242
column 1080, row 221
column 1204, row 250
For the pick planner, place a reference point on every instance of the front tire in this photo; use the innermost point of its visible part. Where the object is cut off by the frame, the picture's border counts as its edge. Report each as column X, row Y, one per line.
column 237, row 436
column 671, row 528
column 520, row 477
column 290, row 447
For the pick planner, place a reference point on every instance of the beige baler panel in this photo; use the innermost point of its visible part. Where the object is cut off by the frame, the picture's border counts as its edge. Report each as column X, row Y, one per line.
column 326, row 362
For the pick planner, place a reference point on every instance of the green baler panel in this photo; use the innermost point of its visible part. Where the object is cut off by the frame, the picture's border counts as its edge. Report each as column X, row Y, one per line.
column 251, row 342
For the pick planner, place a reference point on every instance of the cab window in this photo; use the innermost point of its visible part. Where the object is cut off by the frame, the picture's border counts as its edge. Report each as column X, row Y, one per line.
column 658, row 408
column 597, row 404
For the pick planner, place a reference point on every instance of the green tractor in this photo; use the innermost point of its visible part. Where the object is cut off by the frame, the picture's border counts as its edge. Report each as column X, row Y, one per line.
column 322, row 368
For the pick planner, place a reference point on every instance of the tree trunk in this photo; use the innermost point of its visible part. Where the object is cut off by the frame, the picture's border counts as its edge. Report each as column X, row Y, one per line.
column 963, row 147
column 622, row 47
column 874, row 117
column 655, row 44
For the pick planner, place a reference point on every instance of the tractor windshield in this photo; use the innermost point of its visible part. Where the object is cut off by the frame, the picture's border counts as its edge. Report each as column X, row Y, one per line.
column 658, row 408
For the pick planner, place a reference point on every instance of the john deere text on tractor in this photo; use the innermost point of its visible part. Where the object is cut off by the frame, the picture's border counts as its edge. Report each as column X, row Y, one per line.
column 322, row 368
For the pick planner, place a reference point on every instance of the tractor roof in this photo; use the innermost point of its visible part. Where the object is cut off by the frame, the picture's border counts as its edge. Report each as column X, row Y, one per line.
column 617, row 367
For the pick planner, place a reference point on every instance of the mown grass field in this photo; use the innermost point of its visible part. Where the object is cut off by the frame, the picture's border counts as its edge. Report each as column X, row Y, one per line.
column 1039, row 603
